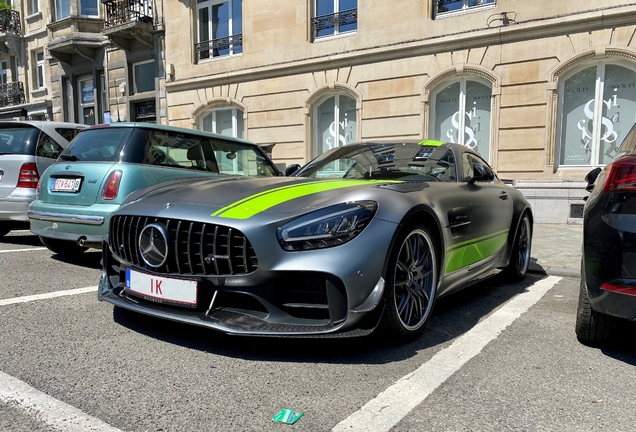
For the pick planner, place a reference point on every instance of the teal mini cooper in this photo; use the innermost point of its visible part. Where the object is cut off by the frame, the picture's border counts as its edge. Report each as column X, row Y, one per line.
column 104, row 164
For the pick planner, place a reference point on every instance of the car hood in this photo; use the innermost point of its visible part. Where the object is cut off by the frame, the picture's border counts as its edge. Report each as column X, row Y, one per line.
column 250, row 198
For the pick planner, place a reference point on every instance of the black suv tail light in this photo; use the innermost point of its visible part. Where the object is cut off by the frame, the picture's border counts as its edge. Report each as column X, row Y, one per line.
column 621, row 176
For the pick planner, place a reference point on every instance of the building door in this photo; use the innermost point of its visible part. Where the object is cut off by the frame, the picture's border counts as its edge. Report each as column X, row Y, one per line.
column 86, row 98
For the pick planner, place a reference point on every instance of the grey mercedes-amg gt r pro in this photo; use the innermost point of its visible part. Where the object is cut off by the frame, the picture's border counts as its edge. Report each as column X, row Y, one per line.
column 364, row 236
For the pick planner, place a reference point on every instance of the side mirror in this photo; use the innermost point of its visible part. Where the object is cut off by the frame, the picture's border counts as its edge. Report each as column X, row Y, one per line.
column 591, row 177
column 291, row 169
column 482, row 173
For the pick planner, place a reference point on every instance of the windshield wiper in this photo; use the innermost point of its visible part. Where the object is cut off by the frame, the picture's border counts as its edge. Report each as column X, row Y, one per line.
column 68, row 157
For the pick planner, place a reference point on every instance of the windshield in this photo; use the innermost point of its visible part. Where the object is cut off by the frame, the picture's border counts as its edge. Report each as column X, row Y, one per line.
column 407, row 161
column 18, row 140
column 96, row 145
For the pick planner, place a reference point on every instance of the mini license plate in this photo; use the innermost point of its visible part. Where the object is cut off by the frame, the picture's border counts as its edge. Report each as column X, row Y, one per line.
column 162, row 289
column 65, row 184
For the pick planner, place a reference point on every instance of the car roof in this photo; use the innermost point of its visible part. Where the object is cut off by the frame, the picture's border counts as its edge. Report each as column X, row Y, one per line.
column 167, row 128
column 41, row 124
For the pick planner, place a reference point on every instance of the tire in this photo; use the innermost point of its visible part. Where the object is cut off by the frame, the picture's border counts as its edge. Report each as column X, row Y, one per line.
column 411, row 285
column 592, row 328
column 520, row 257
column 64, row 248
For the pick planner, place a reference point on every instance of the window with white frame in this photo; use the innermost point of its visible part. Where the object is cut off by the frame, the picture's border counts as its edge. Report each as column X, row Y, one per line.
column 597, row 107
column 39, row 70
column 334, row 123
column 442, row 7
column 461, row 113
column 4, row 72
column 33, row 6
column 332, row 17
column 62, row 9
column 143, row 76
column 219, row 28
column 226, row 121
column 89, row 8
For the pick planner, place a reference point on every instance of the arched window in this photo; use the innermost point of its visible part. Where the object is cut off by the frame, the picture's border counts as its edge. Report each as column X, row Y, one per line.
column 597, row 106
column 226, row 121
column 471, row 96
column 334, row 122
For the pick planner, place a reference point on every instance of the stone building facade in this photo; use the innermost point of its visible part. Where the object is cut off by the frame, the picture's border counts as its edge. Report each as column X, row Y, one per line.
column 544, row 90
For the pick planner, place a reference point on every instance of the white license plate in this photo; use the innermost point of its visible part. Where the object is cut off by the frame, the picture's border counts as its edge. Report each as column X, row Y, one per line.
column 66, row 185
column 162, row 289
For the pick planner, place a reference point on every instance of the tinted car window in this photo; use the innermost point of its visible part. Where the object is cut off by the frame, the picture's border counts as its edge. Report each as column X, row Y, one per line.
column 18, row 140
column 470, row 160
column 410, row 162
column 67, row 133
column 179, row 150
column 98, row 145
column 47, row 147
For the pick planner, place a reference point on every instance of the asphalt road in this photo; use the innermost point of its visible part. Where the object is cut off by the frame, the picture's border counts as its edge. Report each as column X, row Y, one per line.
column 494, row 357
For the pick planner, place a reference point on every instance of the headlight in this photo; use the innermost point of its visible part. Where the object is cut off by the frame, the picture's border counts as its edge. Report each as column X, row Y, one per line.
column 327, row 227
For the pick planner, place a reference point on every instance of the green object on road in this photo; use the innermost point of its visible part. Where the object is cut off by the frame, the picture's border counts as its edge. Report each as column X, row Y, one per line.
column 287, row 416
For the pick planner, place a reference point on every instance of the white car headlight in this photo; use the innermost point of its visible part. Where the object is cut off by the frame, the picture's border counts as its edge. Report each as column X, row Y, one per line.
column 328, row 227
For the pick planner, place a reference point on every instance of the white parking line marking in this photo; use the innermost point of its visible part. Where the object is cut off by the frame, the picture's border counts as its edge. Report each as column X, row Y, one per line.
column 47, row 296
column 393, row 404
column 56, row 414
column 22, row 250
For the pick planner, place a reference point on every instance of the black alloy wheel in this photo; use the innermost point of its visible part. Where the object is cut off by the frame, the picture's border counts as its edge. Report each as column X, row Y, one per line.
column 592, row 328
column 520, row 256
column 411, row 284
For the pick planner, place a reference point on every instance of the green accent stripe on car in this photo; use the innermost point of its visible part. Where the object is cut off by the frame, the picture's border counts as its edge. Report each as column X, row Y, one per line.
column 257, row 203
column 468, row 252
column 431, row 143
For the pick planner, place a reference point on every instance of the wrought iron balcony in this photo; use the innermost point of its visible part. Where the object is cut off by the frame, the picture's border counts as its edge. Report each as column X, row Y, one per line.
column 120, row 12
column 11, row 94
column 10, row 22
column 219, row 47
column 334, row 21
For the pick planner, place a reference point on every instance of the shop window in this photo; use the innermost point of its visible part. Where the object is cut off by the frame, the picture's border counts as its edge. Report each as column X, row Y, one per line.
column 224, row 121
column 444, row 7
column 597, row 109
column 335, row 123
column 332, row 17
column 219, row 28
column 461, row 113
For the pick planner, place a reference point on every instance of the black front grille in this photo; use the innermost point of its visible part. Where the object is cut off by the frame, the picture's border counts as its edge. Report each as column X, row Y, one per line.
column 195, row 248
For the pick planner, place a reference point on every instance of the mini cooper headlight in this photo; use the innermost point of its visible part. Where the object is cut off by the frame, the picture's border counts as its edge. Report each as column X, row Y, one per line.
column 327, row 227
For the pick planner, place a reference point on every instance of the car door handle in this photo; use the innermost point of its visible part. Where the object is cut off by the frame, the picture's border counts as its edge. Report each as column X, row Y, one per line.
column 503, row 196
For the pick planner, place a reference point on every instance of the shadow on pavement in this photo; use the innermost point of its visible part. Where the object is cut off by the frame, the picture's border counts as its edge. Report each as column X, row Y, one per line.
column 453, row 316
column 92, row 258
column 621, row 346
column 26, row 239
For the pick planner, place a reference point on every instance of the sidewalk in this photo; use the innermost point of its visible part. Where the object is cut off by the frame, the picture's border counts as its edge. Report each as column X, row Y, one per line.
column 556, row 249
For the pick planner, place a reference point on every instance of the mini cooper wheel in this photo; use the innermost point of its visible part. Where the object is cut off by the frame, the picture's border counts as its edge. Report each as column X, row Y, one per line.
column 64, row 248
column 411, row 285
column 520, row 256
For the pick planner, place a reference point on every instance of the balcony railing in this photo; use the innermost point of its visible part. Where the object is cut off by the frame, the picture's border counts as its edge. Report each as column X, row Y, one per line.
column 219, row 47
column 10, row 22
column 120, row 12
column 334, row 21
column 11, row 94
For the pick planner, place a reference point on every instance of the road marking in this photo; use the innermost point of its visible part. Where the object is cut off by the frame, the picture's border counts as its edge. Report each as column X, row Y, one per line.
column 22, row 250
column 394, row 403
column 47, row 296
column 56, row 414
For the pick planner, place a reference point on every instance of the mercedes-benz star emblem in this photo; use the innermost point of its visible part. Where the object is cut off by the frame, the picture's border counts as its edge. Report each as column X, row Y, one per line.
column 153, row 244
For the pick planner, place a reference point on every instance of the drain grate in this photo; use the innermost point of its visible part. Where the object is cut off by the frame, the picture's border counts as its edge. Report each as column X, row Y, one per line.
column 576, row 211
